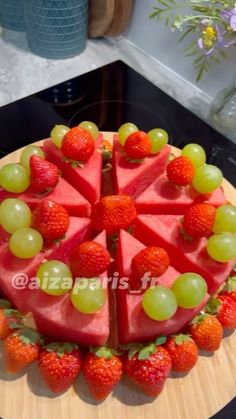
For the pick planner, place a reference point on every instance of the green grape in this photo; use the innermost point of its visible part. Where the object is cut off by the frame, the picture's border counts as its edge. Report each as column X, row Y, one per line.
column 91, row 127
column 189, row 289
column 14, row 178
column 54, row 278
column 58, row 133
column 222, row 247
column 26, row 243
column 14, row 214
column 159, row 138
column 159, row 303
column 195, row 153
column 125, row 130
column 207, row 178
column 88, row 296
column 225, row 219
column 31, row 150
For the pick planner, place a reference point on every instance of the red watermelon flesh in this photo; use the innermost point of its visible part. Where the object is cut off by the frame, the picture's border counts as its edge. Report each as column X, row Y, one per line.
column 133, row 323
column 86, row 179
column 186, row 256
column 134, row 178
column 136, row 326
column 163, row 197
column 57, row 318
column 63, row 194
column 10, row 265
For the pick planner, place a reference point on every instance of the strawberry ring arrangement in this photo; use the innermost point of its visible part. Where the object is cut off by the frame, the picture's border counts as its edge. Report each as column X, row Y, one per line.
column 161, row 246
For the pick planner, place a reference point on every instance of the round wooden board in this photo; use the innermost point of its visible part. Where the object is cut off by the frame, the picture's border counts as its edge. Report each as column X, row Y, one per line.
column 200, row 394
column 101, row 14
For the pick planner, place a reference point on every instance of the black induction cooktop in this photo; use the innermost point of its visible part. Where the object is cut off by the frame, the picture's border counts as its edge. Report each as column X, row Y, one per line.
column 110, row 96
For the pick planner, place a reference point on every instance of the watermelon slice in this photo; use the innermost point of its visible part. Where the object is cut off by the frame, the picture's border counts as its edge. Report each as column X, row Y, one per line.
column 64, row 194
column 86, row 179
column 186, row 256
column 57, row 318
column 133, row 323
column 10, row 266
column 162, row 197
column 134, row 178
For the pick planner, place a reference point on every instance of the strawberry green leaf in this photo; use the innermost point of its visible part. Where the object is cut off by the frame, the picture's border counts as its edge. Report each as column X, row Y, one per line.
column 147, row 351
column 5, row 304
column 104, row 352
column 161, row 340
column 137, row 161
column 29, row 336
column 9, row 312
column 198, row 319
column 213, row 306
column 135, row 348
column 181, row 338
column 231, row 284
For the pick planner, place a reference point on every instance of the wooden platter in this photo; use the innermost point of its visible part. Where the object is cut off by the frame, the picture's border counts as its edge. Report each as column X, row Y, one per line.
column 199, row 395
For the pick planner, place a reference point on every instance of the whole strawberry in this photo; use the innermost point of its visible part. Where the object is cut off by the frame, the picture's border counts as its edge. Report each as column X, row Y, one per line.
column 224, row 307
column 183, row 351
column 89, row 259
column 102, row 370
column 113, row 213
column 138, row 145
column 21, row 349
column 230, row 288
column 7, row 317
column 151, row 259
column 180, row 171
column 51, row 220
column 207, row 332
column 199, row 220
column 78, row 145
column 43, row 175
column 148, row 367
column 60, row 365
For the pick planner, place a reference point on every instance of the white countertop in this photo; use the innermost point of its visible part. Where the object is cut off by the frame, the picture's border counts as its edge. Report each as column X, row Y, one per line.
column 23, row 73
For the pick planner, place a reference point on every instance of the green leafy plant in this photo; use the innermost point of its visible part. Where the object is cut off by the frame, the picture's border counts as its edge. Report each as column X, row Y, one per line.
column 211, row 25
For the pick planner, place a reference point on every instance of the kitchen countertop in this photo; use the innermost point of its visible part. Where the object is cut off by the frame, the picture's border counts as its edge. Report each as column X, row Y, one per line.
column 23, row 73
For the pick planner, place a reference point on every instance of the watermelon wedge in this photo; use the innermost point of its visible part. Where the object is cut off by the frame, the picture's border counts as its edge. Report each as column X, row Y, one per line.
column 134, row 178
column 185, row 256
column 162, row 197
column 86, row 179
column 10, row 266
column 133, row 323
column 57, row 318
column 64, row 194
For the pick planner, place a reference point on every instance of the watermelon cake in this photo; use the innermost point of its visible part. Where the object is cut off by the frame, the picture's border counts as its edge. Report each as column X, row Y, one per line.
column 123, row 252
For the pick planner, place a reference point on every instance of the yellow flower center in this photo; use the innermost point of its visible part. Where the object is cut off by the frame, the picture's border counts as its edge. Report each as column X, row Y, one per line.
column 209, row 37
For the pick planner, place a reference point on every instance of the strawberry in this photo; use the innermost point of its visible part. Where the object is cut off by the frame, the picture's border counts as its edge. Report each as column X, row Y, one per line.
column 102, row 369
column 207, row 332
column 78, row 144
column 43, row 175
column 180, row 171
column 89, row 259
column 7, row 317
column 138, row 145
column 113, row 212
column 230, row 288
column 21, row 349
column 183, row 351
column 224, row 307
column 148, row 367
column 60, row 365
column 152, row 259
column 51, row 220
column 199, row 220
column 107, row 149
